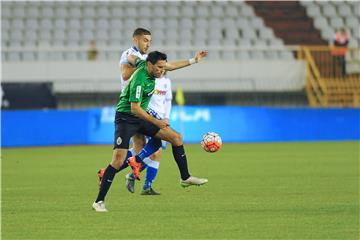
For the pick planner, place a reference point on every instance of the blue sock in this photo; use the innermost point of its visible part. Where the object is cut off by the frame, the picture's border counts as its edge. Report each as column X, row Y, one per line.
column 151, row 173
column 152, row 146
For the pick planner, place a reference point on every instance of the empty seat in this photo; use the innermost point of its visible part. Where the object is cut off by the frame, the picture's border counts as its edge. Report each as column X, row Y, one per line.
column 60, row 24
column 44, row 35
column 102, row 12
column 186, row 23
column 102, row 24
column 74, row 12
column 256, row 54
column 172, row 23
column 31, row 24
column 88, row 24
column 130, row 12
column 313, row 11
column 59, row 35
column 74, row 24
column 87, row 35
column 5, row 24
column 16, row 35
column 145, row 12
column 216, row 11
column 61, row 12
column 14, row 56
column 329, row 10
column 130, row 24
column 256, row 23
column 17, row 24
column 187, row 12
column 116, row 24
column 336, row 22
column 229, row 55
column 201, row 23
column 243, row 55
column 29, row 56
column 247, row 11
column 172, row 11
column 73, row 35
column 18, row 12
column 259, row 43
column 159, row 11
column 47, row 12
column 320, row 22
column 88, row 12
column 231, row 11
column 32, row 12
column 214, row 23
column 248, row 33
column 202, row 11
column 266, row 33
column 245, row 42
column 344, row 10
column 158, row 23
column 30, row 36
column 145, row 23
column 352, row 22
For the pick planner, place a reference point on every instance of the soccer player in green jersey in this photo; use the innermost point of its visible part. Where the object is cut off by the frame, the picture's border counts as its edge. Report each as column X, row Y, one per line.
column 131, row 117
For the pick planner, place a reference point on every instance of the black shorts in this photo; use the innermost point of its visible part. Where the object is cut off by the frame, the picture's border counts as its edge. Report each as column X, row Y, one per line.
column 127, row 125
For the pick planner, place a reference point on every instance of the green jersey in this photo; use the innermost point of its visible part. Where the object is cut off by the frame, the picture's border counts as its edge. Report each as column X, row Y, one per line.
column 140, row 89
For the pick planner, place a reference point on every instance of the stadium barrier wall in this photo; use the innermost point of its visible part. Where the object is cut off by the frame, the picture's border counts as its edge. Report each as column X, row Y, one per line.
column 234, row 124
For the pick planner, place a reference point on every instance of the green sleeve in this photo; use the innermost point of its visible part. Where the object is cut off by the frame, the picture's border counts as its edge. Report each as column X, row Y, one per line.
column 136, row 88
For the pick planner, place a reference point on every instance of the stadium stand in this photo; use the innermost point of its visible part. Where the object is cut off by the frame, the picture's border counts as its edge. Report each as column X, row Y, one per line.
column 74, row 24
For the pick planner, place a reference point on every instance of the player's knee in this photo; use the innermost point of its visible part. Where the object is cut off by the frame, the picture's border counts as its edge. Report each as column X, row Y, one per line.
column 117, row 160
column 177, row 139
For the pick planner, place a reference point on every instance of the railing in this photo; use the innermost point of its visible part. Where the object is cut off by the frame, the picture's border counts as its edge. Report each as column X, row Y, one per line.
column 332, row 79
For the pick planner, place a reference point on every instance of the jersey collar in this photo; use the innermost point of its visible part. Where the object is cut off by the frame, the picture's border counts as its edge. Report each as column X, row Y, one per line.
column 135, row 49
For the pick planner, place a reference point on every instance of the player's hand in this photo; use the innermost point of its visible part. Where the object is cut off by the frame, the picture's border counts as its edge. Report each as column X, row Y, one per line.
column 200, row 55
column 166, row 120
column 162, row 124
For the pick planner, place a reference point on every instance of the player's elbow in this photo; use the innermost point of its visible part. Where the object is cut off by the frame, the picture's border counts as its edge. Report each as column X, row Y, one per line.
column 125, row 76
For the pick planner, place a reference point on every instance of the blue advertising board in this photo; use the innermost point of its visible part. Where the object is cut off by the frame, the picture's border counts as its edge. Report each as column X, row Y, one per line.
column 234, row 124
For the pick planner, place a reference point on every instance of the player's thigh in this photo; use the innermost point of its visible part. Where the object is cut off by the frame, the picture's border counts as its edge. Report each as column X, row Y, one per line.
column 170, row 135
column 138, row 142
column 123, row 132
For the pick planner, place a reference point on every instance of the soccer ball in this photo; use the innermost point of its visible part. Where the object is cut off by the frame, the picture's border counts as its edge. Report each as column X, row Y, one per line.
column 211, row 142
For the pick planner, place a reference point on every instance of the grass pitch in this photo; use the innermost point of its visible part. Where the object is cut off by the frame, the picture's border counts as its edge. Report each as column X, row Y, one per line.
column 255, row 191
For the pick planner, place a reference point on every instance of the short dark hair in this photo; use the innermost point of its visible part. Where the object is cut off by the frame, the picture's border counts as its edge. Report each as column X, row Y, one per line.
column 141, row 31
column 155, row 56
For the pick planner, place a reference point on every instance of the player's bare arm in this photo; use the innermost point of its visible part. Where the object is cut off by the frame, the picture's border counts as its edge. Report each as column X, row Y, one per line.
column 126, row 71
column 140, row 113
column 173, row 65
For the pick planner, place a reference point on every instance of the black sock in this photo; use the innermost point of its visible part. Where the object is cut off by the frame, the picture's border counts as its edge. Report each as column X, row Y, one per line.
column 123, row 166
column 180, row 158
column 106, row 181
column 138, row 159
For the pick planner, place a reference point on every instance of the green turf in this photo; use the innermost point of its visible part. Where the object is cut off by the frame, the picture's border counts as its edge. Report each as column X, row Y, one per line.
column 255, row 191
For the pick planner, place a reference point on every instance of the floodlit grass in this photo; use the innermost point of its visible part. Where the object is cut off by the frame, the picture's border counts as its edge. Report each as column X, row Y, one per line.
column 255, row 191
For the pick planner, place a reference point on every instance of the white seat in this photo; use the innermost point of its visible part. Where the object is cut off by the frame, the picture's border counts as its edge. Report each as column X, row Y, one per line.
column 61, row 12
column 186, row 23
column 286, row 55
column 260, row 43
column 45, row 35
column 72, row 43
column 215, row 42
column 145, row 23
column 59, row 35
column 172, row 23
column 329, row 10
column 248, row 33
column 159, row 11
column 88, row 24
column 173, row 11
column 16, row 35
column 5, row 10
column 214, row 23
column 276, row 42
column 102, row 12
column 214, row 55
column 313, row 11
column 18, row 12
column 32, row 12
column 130, row 24
column 57, row 56
column 158, row 23
column 247, row 11
column 229, row 55
column 70, row 56
column 29, row 56
column 73, row 35
column 58, row 42
column 271, row 54
column 60, row 24
column 116, row 24
column 201, row 23
column 242, row 22
column 256, row 23
column 336, row 22
column 228, row 23
column 320, row 22
column 14, row 56
column 74, row 12
column 266, row 33
column 231, row 33
column 245, row 42
column 15, row 43
column 87, row 35
column 145, row 12
column 74, row 24
column 344, row 10
column 202, row 11
column 231, row 42
column 88, row 12
column 216, row 11
column 30, row 36
column 187, row 12
column 31, row 24
column 352, row 22
column 102, row 24
column 231, row 11
column 47, row 12
column 116, row 12
column 243, row 55
column 216, row 33
column 256, row 54
column 130, row 12
column 17, row 24
column 327, row 33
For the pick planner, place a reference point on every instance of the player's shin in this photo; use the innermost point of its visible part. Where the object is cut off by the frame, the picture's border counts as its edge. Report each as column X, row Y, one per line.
column 106, row 182
column 151, row 147
column 181, row 161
